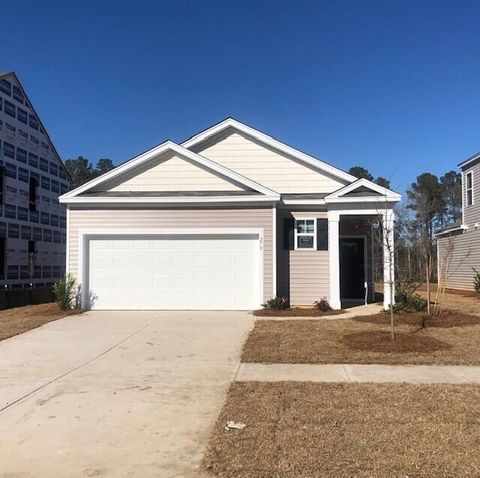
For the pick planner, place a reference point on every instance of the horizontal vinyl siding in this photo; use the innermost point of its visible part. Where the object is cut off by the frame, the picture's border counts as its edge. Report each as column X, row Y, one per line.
column 460, row 258
column 266, row 166
column 114, row 219
column 309, row 277
column 170, row 173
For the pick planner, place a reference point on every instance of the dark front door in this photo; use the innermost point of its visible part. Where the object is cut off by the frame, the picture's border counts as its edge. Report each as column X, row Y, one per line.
column 352, row 268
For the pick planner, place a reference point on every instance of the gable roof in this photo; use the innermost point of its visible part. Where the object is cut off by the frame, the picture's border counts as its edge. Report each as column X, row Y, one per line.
column 269, row 141
column 379, row 193
column 12, row 73
column 163, row 148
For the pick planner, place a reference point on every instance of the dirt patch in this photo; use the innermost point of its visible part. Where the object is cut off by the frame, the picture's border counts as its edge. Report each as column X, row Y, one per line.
column 347, row 430
column 296, row 312
column 449, row 318
column 379, row 341
column 322, row 341
column 20, row 319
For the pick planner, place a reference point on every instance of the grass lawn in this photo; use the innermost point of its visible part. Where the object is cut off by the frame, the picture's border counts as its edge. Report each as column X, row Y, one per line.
column 347, row 430
column 20, row 319
column 453, row 339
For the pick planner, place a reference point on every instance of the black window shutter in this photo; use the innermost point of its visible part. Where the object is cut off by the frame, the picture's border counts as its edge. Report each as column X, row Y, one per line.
column 288, row 234
column 322, row 234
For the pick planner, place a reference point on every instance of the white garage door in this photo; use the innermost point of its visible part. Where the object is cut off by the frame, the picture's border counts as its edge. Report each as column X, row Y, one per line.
column 175, row 272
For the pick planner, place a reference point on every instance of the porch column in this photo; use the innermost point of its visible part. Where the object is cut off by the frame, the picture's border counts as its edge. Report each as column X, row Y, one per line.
column 334, row 258
column 388, row 224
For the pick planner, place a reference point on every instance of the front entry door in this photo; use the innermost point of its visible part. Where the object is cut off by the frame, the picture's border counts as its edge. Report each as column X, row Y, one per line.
column 352, row 268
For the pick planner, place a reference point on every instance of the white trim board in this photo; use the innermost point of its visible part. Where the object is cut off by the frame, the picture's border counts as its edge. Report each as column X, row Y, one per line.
column 167, row 199
column 269, row 141
column 84, row 235
column 386, row 194
column 465, row 163
column 158, row 150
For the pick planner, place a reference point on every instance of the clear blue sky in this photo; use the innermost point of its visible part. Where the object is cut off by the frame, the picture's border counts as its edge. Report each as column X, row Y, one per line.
column 392, row 86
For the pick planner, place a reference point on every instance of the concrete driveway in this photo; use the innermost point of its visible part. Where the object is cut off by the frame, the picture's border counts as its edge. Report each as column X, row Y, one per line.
column 117, row 394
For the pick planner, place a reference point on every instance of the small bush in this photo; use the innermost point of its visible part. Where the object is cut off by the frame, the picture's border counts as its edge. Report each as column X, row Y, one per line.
column 322, row 305
column 275, row 303
column 405, row 302
column 65, row 291
column 476, row 280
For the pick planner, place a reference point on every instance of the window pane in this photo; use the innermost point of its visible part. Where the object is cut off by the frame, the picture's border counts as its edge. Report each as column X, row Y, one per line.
column 305, row 242
column 310, row 226
column 301, row 226
column 469, row 180
column 469, row 198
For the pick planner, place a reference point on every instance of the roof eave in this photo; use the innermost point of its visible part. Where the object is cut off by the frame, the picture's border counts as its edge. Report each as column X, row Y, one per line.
column 475, row 157
column 167, row 200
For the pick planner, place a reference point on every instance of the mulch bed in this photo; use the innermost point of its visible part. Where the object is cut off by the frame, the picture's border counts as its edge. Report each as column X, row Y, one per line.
column 380, row 341
column 448, row 318
column 296, row 312
column 21, row 319
column 347, row 430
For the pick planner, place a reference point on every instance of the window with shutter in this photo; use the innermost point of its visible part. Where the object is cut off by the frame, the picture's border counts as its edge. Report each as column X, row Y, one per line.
column 288, row 234
column 322, row 234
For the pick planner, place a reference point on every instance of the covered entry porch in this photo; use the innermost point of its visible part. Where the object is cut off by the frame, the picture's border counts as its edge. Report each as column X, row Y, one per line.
column 361, row 254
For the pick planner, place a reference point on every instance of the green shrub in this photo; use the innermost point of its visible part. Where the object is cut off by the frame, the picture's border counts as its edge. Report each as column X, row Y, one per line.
column 322, row 305
column 476, row 280
column 275, row 303
column 406, row 302
column 65, row 291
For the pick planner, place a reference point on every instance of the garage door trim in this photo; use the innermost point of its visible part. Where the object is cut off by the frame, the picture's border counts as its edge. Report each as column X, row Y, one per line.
column 86, row 234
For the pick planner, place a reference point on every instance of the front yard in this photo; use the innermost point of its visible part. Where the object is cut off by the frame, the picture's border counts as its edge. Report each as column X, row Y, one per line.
column 466, row 301
column 453, row 339
column 21, row 319
column 297, row 429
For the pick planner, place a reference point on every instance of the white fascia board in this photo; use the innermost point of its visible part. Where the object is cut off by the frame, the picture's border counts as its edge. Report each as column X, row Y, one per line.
column 362, row 199
column 469, row 160
column 165, row 200
column 304, row 202
column 272, row 142
column 368, row 184
column 163, row 148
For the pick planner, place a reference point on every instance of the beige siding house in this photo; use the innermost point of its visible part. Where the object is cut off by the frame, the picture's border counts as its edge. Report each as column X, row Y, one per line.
column 459, row 244
column 226, row 220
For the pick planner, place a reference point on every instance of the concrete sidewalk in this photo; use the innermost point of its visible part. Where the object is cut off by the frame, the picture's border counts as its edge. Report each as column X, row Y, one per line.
column 256, row 372
column 350, row 313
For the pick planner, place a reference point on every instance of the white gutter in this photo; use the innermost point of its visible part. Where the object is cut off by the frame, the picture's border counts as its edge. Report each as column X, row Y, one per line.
column 163, row 200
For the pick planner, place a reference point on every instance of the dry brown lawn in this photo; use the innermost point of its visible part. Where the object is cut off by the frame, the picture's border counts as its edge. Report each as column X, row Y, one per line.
column 465, row 301
column 307, row 430
column 453, row 339
column 20, row 319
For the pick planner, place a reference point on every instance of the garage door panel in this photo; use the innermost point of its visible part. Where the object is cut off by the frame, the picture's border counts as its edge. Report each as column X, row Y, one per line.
column 169, row 272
